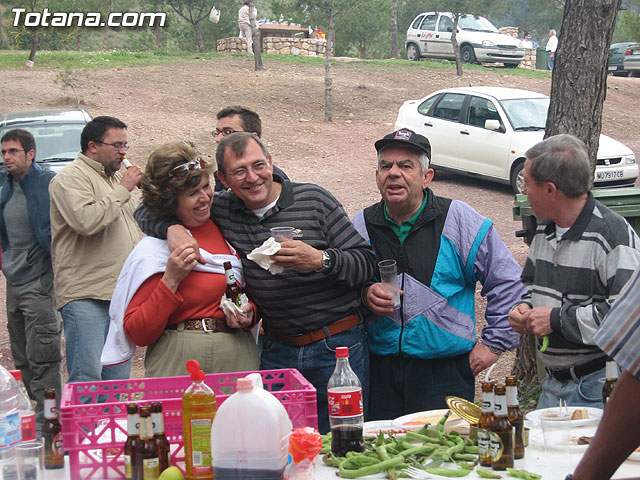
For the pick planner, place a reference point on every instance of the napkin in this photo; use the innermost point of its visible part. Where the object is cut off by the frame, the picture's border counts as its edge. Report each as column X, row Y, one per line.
column 261, row 256
column 229, row 308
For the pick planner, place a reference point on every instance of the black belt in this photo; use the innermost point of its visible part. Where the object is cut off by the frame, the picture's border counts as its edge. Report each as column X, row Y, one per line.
column 564, row 374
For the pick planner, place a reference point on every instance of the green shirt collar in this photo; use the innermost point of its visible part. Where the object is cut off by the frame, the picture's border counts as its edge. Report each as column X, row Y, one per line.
column 403, row 229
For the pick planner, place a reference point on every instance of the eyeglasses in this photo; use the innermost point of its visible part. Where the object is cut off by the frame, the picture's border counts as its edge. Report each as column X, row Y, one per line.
column 224, row 132
column 258, row 167
column 118, row 145
column 179, row 172
column 11, row 151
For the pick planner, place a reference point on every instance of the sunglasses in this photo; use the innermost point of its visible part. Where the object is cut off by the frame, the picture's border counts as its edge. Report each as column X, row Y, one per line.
column 179, row 172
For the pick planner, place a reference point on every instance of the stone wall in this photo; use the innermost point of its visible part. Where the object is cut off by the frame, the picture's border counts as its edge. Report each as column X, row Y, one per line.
column 529, row 54
column 310, row 47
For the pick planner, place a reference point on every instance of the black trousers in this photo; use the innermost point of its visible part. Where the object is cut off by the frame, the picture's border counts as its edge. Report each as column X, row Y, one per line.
column 402, row 385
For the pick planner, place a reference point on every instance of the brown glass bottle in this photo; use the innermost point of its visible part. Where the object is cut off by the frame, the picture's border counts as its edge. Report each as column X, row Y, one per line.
column 147, row 462
column 515, row 416
column 501, row 436
column 484, row 424
column 131, row 444
column 612, row 378
column 52, row 433
column 233, row 291
column 158, row 435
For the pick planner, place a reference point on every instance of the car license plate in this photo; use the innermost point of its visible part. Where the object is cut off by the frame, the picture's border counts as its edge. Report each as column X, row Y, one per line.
column 608, row 175
column 613, row 67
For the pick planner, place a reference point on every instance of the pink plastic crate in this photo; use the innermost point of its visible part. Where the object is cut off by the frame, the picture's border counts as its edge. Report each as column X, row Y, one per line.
column 94, row 433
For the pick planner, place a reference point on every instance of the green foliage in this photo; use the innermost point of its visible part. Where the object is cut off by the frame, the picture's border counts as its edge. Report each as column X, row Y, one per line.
column 627, row 27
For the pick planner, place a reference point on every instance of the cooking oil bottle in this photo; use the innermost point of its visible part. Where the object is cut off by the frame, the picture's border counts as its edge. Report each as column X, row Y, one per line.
column 198, row 411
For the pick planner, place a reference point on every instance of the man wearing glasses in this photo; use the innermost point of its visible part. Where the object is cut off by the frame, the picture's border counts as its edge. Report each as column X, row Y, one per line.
column 93, row 232
column 234, row 119
column 312, row 306
column 33, row 323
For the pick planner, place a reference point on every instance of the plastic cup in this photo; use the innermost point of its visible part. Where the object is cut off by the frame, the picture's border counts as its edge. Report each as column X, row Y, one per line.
column 389, row 279
column 30, row 460
column 282, row 233
column 556, row 433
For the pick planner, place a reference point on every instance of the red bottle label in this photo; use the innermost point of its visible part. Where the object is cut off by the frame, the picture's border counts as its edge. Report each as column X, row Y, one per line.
column 344, row 402
column 28, row 427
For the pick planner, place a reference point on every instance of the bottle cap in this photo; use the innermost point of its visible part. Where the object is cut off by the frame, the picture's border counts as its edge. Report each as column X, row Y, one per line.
column 227, row 265
column 244, row 384
column 193, row 367
column 17, row 374
column 342, row 352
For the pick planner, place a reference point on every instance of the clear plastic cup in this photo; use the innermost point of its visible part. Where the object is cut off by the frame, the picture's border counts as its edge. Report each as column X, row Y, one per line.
column 389, row 278
column 30, row 460
column 282, row 233
column 556, row 433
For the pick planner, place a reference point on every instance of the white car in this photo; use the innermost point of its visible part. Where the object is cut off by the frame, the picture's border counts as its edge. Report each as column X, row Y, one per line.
column 486, row 131
column 429, row 35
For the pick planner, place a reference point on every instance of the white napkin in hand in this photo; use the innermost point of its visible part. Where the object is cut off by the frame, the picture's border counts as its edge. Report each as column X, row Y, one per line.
column 231, row 309
column 261, row 256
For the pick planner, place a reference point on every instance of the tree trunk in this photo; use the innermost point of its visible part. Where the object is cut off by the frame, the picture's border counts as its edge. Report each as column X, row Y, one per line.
column 394, row 28
column 257, row 40
column 454, row 42
column 363, row 48
column 579, row 78
column 525, row 368
column 199, row 39
column 105, row 37
column 158, row 29
column 34, row 44
column 328, row 86
column 78, row 39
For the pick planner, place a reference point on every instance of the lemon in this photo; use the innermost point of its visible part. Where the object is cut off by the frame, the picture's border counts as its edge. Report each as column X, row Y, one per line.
column 171, row 473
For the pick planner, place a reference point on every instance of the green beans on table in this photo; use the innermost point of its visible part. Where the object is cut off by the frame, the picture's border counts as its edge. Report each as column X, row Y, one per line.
column 523, row 474
column 487, row 474
column 371, row 469
column 449, row 472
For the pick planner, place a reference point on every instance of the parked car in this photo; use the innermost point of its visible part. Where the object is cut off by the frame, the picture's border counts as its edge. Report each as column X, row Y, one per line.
column 56, row 131
column 429, row 35
column 485, row 131
column 617, row 53
column 631, row 61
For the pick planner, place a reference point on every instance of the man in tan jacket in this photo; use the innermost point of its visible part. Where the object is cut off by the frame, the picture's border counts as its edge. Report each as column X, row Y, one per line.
column 93, row 231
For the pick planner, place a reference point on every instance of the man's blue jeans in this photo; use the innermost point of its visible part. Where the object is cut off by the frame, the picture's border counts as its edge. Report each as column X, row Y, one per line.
column 584, row 392
column 86, row 323
column 317, row 361
column 550, row 61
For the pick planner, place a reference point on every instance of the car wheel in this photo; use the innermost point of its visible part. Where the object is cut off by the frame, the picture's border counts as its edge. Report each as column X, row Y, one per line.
column 467, row 54
column 412, row 52
column 517, row 179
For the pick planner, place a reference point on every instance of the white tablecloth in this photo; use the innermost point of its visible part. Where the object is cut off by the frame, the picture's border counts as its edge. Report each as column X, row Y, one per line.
column 552, row 465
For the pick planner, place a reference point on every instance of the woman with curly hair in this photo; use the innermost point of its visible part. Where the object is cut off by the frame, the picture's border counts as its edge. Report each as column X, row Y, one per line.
column 166, row 300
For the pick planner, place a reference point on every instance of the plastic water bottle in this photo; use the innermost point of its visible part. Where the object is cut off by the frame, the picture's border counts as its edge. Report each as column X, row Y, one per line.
column 27, row 415
column 10, row 433
column 250, row 435
column 346, row 415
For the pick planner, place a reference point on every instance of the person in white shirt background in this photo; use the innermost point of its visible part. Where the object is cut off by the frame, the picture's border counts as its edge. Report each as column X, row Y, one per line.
column 552, row 45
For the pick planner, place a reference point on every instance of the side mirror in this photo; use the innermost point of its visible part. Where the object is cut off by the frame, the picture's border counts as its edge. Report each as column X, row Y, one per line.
column 494, row 125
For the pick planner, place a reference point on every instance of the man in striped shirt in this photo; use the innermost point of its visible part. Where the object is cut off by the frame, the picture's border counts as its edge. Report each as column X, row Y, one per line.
column 312, row 307
column 581, row 256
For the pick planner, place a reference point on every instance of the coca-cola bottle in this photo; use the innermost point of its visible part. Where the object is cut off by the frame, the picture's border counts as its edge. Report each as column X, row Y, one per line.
column 346, row 417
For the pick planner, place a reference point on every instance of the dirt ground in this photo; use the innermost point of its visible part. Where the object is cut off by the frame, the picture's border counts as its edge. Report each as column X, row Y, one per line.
column 165, row 103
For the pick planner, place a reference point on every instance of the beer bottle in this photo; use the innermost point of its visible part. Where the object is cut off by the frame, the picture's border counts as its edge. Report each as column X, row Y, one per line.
column 515, row 416
column 501, row 435
column 147, row 455
column 484, row 424
column 158, row 435
column 131, row 445
column 612, row 377
column 233, row 291
column 52, row 433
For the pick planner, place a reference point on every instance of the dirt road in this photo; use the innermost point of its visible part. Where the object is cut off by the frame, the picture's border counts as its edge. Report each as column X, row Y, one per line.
column 166, row 103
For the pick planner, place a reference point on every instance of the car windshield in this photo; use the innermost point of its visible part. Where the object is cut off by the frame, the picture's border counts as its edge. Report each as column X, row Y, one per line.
column 54, row 141
column 476, row 24
column 526, row 113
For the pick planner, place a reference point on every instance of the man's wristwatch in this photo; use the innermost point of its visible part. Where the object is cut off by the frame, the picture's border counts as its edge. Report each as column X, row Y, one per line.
column 326, row 262
column 494, row 350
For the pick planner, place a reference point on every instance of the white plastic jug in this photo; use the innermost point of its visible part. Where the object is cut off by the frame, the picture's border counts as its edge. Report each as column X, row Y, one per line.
column 10, row 433
column 250, row 435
